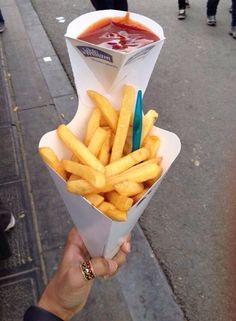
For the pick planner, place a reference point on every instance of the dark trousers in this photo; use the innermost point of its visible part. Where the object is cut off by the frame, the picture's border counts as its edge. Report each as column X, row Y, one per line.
column 1, row 17
column 5, row 251
column 212, row 7
column 110, row 4
column 233, row 13
column 182, row 4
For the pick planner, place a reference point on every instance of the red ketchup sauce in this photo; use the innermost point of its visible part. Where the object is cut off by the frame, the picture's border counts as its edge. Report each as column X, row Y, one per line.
column 121, row 34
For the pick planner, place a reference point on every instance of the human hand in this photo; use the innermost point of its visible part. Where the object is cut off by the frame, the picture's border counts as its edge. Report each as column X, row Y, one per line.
column 68, row 290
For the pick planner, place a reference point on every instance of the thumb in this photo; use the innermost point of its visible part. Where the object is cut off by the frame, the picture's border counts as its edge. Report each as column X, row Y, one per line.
column 102, row 266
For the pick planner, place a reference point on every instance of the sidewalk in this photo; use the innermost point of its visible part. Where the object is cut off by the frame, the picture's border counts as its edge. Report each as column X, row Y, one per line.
column 36, row 95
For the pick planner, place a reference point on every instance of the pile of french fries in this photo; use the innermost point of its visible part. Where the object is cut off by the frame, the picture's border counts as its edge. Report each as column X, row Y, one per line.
column 102, row 168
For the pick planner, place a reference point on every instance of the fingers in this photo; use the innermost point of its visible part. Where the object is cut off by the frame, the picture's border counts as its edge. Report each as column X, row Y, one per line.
column 126, row 247
column 74, row 238
column 102, row 266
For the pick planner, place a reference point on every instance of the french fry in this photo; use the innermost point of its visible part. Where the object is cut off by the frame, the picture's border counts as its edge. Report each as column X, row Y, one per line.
column 128, row 146
column 148, row 121
column 82, row 187
column 123, row 122
column 150, row 182
column 137, row 197
column 105, row 107
column 105, row 206
column 117, row 215
column 73, row 177
column 78, row 148
column 126, row 162
column 155, row 160
column 129, row 188
column 74, row 158
column 93, row 124
column 152, row 143
column 139, row 175
column 94, row 177
column 110, row 210
column 121, row 202
column 51, row 159
column 97, row 141
column 104, row 155
column 95, row 199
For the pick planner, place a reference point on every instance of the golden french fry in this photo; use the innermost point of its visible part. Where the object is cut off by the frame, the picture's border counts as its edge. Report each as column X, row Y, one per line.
column 148, row 121
column 103, row 121
column 51, row 159
column 126, row 162
column 110, row 210
column 152, row 143
column 117, row 215
column 105, row 206
column 137, row 197
column 121, row 202
column 95, row 178
column 97, row 141
column 93, row 124
column 74, row 158
column 155, row 160
column 73, row 177
column 128, row 146
column 105, row 107
column 95, row 199
column 128, row 188
column 104, row 154
column 150, row 182
column 82, row 187
column 139, row 175
column 123, row 122
column 78, row 148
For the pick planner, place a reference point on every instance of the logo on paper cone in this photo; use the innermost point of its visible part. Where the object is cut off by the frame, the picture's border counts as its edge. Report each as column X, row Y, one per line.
column 95, row 53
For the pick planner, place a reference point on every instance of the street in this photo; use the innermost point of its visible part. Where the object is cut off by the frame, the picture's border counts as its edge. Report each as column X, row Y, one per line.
column 190, row 223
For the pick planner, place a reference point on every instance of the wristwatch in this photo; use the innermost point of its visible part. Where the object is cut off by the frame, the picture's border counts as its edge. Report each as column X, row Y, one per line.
column 35, row 313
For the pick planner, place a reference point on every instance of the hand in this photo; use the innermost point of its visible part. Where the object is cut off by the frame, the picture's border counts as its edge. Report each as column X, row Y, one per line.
column 67, row 292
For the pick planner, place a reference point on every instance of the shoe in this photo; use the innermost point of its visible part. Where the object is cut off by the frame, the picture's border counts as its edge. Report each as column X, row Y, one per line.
column 7, row 219
column 11, row 224
column 211, row 21
column 2, row 26
column 182, row 14
column 187, row 4
column 233, row 32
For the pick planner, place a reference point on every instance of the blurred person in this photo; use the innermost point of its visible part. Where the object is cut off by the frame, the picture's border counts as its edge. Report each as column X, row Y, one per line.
column 110, row 4
column 211, row 12
column 2, row 22
column 183, row 4
column 7, row 221
column 68, row 290
column 211, row 15
column 233, row 22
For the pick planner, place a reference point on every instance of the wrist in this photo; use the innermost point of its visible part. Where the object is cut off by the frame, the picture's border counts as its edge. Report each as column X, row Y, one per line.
column 47, row 303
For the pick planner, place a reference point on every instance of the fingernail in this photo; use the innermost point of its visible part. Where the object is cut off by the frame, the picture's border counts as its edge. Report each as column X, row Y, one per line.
column 128, row 247
column 112, row 266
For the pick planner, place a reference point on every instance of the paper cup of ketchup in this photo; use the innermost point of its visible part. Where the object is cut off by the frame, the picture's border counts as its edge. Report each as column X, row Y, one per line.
column 110, row 48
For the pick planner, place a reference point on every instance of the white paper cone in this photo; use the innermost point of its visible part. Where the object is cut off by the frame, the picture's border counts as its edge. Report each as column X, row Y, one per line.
column 101, row 235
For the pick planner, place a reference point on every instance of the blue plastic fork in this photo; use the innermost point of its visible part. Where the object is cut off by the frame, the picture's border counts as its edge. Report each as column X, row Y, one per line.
column 137, row 122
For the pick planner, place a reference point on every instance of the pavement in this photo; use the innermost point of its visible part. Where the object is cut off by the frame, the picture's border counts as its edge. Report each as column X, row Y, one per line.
column 35, row 96
column 190, row 222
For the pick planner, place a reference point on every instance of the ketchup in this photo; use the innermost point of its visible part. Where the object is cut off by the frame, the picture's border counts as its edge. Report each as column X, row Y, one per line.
column 121, row 34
